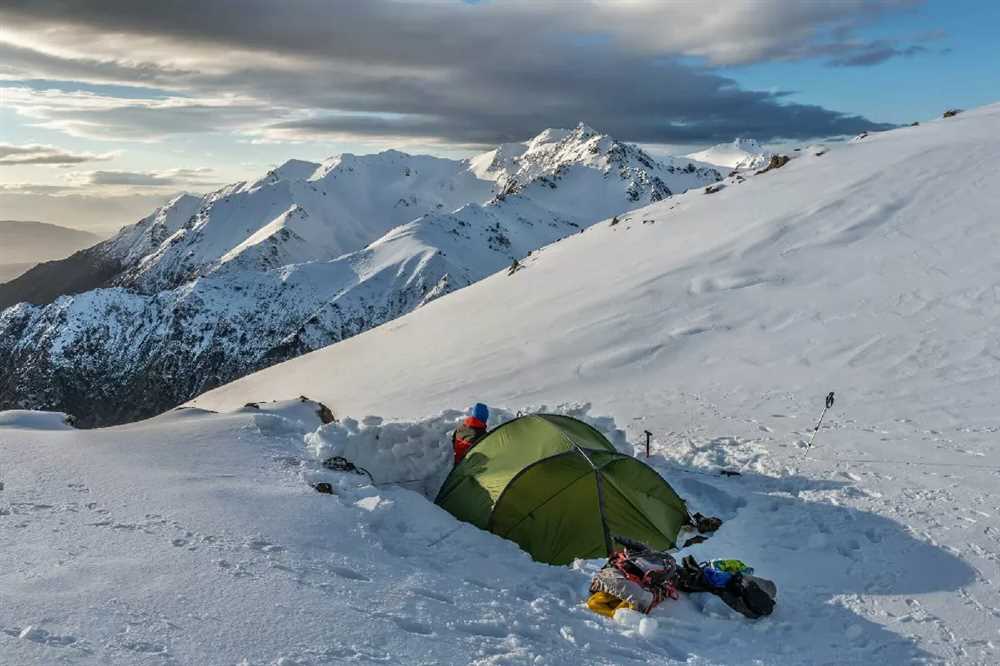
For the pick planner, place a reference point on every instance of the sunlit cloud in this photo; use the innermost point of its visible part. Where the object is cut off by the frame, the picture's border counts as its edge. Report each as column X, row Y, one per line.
column 89, row 115
column 172, row 178
column 19, row 155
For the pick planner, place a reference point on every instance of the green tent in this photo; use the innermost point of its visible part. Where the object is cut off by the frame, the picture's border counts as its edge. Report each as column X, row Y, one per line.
column 559, row 489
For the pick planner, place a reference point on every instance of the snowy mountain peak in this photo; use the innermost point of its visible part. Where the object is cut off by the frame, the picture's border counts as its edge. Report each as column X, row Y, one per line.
column 553, row 153
column 553, row 135
column 741, row 153
column 180, row 200
column 292, row 169
column 746, row 144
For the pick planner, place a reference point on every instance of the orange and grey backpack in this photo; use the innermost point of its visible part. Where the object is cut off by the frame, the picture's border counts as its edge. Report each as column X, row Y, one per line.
column 635, row 577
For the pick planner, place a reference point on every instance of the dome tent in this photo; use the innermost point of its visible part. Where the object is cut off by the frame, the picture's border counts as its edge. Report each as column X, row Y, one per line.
column 558, row 488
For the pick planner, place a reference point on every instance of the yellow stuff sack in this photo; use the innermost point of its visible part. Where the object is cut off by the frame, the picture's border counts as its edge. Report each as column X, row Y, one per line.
column 606, row 604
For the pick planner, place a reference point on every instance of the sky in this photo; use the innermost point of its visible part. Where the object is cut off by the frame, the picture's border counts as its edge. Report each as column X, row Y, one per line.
column 109, row 107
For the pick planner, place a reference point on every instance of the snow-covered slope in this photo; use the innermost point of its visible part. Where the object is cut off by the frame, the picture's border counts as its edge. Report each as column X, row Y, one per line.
column 194, row 538
column 719, row 323
column 742, row 153
column 210, row 289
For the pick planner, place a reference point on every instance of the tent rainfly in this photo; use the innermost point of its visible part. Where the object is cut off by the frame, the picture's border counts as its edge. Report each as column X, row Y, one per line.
column 559, row 489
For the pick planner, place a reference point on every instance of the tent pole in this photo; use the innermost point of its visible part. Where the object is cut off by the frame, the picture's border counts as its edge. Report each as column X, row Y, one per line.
column 608, row 546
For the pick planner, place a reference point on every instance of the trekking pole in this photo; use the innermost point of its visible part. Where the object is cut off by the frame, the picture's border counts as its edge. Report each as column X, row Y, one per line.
column 648, row 435
column 829, row 404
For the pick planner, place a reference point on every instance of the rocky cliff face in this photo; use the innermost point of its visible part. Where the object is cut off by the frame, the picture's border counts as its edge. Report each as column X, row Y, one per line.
column 206, row 290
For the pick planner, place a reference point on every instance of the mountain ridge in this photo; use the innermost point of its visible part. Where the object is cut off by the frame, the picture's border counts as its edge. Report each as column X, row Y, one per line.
column 257, row 272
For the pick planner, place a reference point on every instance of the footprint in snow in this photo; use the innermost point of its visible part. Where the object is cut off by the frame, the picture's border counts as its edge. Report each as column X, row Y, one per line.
column 436, row 596
column 485, row 629
column 39, row 635
column 872, row 535
column 350, row 574
column 479, row 584
column 407, row 624
column 146, row 647
column 412, row 626
column 264, row 546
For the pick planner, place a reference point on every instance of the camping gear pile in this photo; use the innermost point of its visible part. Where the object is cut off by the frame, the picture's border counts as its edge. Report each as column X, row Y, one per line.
column 733, row 582
column 638, row 578
column 559, row 489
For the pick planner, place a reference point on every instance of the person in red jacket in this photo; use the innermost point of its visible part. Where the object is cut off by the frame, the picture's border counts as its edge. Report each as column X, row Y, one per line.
column 471, row 431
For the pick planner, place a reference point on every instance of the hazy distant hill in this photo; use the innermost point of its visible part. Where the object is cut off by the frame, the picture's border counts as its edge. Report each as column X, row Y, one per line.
column 24, row 244
column 11, row 271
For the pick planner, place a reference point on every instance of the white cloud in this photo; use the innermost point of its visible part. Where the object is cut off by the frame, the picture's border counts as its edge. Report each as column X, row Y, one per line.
column 19, row 155
column 172, row 178
column 90, row 115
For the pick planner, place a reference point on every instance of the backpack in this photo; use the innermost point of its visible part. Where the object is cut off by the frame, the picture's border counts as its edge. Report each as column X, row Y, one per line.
column 638, row 576
column 750, row 595
column 743, row 592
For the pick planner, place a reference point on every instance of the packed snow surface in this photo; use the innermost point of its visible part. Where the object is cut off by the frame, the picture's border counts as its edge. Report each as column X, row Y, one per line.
column 716, row 322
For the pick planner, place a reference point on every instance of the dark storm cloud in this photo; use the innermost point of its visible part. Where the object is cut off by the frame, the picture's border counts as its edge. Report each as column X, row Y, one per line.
column 454, row 72
column 404, row 32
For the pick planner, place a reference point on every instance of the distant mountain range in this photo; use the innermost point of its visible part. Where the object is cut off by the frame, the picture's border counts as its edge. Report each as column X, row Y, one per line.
column 205, row 290
column 24, row 244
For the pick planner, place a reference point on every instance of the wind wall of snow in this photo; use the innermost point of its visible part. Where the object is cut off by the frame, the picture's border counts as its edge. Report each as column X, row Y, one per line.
column 33, row 420
column 418, row 454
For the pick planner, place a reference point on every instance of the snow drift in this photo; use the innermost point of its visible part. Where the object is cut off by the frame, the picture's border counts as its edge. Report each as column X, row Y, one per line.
column 418, row 455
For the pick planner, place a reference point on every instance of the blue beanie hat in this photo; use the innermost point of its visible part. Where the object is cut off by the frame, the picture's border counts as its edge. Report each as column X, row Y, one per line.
column 480, row 411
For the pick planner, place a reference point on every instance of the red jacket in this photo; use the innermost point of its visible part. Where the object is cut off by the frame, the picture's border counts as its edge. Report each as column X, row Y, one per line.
column 466, row 436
